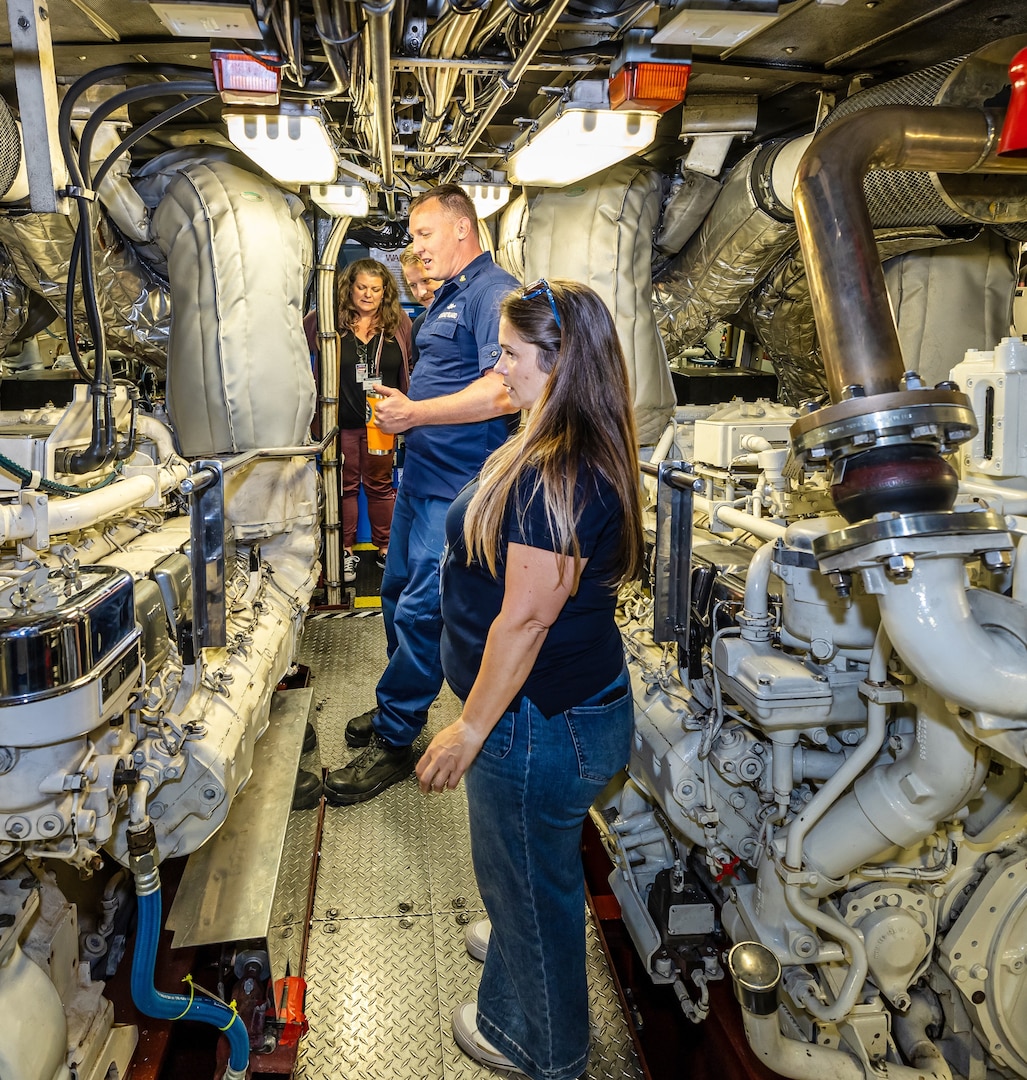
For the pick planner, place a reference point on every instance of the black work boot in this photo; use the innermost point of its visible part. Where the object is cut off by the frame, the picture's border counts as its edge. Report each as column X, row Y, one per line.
column 360, row 729
column 309, row 738
column 308, row 791
column 380, row 766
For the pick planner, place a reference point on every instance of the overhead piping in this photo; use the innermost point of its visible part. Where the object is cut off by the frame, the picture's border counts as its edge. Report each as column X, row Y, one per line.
column 331, row 33
column 378, row 24
column 857, row 333
column 508, row 82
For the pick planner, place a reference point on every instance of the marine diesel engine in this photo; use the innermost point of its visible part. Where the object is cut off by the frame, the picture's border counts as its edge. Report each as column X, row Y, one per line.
column 829, row 751
column 830, row 677
column 157, row 556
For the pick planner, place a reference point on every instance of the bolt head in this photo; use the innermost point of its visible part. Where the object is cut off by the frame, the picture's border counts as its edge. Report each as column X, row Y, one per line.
column 899, row 567
column 997, row 560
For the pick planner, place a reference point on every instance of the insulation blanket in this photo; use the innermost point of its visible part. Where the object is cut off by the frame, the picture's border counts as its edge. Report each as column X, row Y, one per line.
column 239, row 373
column 600, row 232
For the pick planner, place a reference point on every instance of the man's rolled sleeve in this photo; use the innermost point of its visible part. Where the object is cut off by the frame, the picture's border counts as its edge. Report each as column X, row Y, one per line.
column 488, row 356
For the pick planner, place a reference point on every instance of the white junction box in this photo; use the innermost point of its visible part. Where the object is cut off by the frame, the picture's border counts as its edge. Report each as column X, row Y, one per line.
column 718, row 437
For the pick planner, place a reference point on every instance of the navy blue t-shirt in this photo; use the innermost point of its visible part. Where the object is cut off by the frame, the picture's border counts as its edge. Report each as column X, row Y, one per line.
column 582, row 652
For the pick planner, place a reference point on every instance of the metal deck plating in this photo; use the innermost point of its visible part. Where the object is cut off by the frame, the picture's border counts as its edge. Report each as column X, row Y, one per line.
column 386, row 962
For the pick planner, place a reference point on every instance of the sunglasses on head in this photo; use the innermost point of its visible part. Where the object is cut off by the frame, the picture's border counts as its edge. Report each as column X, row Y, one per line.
column 541, row 288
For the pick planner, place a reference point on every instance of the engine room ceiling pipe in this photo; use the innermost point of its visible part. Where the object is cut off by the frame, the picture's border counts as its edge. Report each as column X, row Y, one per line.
column 508, row 82
column 379, row 27
column 332, row 30
column 857, row 333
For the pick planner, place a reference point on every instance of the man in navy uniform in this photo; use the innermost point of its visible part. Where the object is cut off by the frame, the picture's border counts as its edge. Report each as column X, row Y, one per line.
column 457, row 412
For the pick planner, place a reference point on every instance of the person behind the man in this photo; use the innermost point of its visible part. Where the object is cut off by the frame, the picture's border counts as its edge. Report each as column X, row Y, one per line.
column 456, row 414
column 422, row 287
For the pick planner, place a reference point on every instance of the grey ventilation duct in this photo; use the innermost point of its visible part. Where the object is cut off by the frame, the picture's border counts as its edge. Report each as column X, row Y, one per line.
column 740, row 241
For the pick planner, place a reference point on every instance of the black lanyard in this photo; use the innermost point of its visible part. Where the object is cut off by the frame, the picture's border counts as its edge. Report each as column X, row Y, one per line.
column 364, row 351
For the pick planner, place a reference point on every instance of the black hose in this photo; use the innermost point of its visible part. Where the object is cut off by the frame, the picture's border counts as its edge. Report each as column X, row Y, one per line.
column 127, row 449
column 25, row 476
column 100, row 449
column 103, row 445
column 112, row 71
column 520, row 7
column 69, row 308
column 127, row 97
column 136, row 135
column 139, row 133
column 101, row 365
column 143, row 130
column 77, row 167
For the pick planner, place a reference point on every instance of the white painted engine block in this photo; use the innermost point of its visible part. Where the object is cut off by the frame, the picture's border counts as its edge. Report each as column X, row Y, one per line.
column 832, row 753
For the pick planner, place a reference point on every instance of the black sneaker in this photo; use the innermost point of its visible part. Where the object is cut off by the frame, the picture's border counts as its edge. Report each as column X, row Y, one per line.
column 380, row 766
column 360, row 729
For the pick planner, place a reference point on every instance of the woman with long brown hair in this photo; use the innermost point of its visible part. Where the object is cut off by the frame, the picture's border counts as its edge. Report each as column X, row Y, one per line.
column 536, row 549
column 374, row 347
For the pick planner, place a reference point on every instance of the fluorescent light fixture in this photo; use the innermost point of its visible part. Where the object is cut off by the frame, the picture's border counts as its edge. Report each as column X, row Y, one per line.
column 488, row 198
column 341, row 200
column 290, row 143
column 578, row 143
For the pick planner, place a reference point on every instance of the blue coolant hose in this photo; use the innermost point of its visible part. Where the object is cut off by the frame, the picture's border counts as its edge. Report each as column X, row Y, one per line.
column 153, row 1002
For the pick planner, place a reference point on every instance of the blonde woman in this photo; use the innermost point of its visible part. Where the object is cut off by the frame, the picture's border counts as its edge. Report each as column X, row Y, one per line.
column 536, row 549
column 374, row 347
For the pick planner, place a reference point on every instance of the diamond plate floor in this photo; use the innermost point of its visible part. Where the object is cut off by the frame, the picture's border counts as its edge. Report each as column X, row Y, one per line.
column 386, row 962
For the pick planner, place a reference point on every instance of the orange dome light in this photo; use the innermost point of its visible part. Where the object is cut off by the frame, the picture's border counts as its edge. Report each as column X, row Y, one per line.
column 649, row 85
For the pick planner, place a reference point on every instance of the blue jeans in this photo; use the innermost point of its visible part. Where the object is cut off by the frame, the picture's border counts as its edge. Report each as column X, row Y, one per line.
column 528, row 792
column 413, row 620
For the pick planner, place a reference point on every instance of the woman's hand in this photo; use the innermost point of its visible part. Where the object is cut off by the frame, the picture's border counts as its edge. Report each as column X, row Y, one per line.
column 448, row 756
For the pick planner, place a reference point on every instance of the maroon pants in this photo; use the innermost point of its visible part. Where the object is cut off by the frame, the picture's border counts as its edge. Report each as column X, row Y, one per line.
column 375, row 472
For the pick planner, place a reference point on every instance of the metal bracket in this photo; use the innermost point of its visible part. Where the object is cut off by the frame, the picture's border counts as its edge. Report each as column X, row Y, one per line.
column 205, row 487
column 36, row 81
column 672, row 569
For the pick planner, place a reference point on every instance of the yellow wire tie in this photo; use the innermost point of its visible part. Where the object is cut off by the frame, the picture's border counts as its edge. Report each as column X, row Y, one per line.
column 235, row 1013
column 192, row 994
